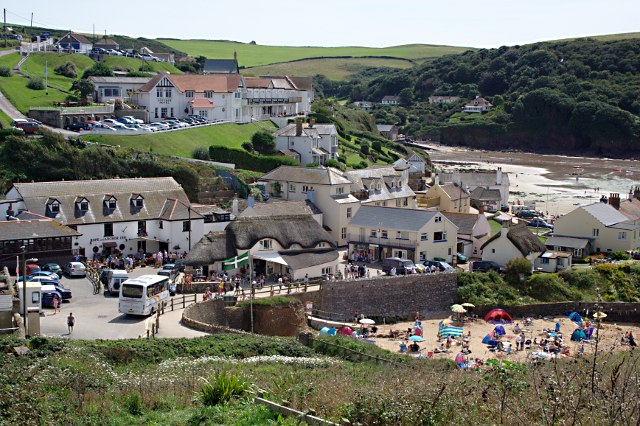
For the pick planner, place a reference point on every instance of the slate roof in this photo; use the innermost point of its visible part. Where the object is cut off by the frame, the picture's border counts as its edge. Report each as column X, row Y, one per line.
column 464, row 221
column 605, row 213
column 391, row 98
column 156, row 192
column 385, row 127
column 74, row 36
column 302, row 83
column 315, row 175
column 484, row 194
column 391, row 218
column 573, row 242
column 220, row 66
column 630, row 208
column 265, row 82
column 280, row 208
column 474, row 179
column 312, row 132
column 299, row 259
column 454, row 191
column 28, row 229
column 174, row 209
column 521, row 237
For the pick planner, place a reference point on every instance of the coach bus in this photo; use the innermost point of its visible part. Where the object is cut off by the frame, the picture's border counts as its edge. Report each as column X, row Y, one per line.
column 143, row 295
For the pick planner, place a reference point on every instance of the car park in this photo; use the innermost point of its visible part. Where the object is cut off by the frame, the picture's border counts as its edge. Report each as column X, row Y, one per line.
column 538, row 222
column 78, row 126
column 159, row 126
column 75, row 269
column 65, row 292
column 485, row 266
column 53, row 267
column 169, row 270
column 526, row 214
column 143, row 127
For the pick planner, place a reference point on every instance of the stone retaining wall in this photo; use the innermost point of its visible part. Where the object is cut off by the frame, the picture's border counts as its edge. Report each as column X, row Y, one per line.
column 616, row 311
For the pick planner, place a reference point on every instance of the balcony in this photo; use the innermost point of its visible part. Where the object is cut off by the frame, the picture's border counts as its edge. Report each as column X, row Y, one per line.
column 356, row 238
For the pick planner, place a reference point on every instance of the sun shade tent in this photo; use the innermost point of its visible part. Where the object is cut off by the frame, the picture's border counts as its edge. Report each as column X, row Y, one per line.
column 345, row 331
column 498, row 316
column 489, row 340
column 578, row 335
column 575, row 317
column 499, row 330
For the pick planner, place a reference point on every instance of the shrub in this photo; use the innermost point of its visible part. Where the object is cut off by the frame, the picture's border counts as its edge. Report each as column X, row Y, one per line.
column 334, row 163
column 485, row 288
column 98, row 69
column 583, row 280
column 35, row 83
column 223, row 386
column 5, row 71
column 200, row 153
column 133, row 403
column 263, row 142
column 364, row 164
column 377, row 146
column 311, row 165
column 248, row 161
column 517, row 270
column 620, row 255
column 549, row 288
column 364, row 148
column 67, row 70
column 248, row 146
column 342, row 159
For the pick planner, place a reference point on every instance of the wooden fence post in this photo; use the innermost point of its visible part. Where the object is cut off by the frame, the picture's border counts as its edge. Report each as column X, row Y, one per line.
column 172, row 304
column 183, row 300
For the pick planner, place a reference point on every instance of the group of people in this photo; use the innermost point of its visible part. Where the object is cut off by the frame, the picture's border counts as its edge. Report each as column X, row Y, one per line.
column 628, row 339
column 353, row 271
column 117, row 260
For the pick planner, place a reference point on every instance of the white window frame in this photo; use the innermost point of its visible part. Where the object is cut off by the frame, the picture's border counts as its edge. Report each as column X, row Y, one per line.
column 349, row 212
column 292, row 188
column 266, row 244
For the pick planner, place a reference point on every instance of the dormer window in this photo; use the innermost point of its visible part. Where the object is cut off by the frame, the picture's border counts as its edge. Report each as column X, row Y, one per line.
column 82, row 204
column 54, row 206
column 137, row 201
column 110, row 202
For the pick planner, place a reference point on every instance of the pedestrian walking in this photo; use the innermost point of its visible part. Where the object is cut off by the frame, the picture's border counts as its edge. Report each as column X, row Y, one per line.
column 56, row 304
column 71, row 322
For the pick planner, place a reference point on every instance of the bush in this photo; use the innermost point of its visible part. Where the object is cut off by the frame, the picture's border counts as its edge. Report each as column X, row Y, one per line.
column 583, row 280
column 550, row 288
column 98, row 69
column 311, row 165
column 248, row 146
column 620, row 255
column 263, row 142
column 133, row 403
column 364, row 148
column 377, row 146
column 35, row 83
column 517, row 270
column 223, row 386
column 334, row 163
column 67, row 70
column 485, row 288
column 5, row 71
column 200, row 153
column 248, row 161
column 364, row 164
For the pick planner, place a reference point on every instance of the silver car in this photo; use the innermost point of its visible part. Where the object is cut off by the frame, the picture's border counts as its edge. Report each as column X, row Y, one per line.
column 75, row 269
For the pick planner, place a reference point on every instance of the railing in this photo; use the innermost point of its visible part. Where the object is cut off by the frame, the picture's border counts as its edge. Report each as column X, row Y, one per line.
column 93, row 275
column 104, row 109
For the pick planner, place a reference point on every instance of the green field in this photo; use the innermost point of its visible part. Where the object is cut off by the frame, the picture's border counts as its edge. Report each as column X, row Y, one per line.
column 123, row 63
column 252, row 55
column 183, row 142
column 34, row 67
column 333, row 68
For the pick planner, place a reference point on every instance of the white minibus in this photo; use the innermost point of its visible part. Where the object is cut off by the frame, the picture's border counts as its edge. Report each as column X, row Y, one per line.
column 143, row 295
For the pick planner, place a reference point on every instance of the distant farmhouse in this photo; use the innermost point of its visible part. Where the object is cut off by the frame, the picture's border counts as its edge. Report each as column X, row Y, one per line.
column 391, row 100
column 479, row 104
column 443, row 99
column 365, row 105
column 389, row 131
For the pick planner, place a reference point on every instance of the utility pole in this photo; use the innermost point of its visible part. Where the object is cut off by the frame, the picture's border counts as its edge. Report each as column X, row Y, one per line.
column 24, row 287
column 5, row 27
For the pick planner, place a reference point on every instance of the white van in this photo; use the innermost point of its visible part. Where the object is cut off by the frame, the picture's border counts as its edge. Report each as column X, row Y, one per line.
column 115, row 278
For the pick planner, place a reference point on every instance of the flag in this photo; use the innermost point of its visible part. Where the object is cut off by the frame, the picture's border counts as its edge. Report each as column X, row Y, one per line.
column 236, row 262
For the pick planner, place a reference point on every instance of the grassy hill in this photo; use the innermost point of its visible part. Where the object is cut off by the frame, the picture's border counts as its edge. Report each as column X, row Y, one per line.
column 183, row 142
column 123, row 63
column 338, row 69
column 34, row 67
column 252, row 55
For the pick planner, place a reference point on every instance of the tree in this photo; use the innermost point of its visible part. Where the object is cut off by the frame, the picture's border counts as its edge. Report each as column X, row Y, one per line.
column 99, row 69
column 263, row 142
column 406, row 96
column 83, row 88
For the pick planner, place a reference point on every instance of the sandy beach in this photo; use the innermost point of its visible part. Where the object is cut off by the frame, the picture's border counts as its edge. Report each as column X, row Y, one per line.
column 546, row 180
column 610, row 335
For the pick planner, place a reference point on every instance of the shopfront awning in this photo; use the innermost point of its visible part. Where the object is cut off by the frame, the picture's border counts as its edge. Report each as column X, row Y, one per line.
column 271, row 257
column 110, row 244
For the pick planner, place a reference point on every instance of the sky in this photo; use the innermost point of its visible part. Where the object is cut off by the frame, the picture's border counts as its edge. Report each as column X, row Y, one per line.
column 375, row 23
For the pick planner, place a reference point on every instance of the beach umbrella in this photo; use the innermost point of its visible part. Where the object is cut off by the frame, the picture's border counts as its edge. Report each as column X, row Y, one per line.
column 498, row 316
column 345, row 331
column 332, row 331
column 458, row 309
column 367, row 321
column 416, row 338
column 468, row 305
column 324, row 330
column 599, row 315
column 445, row 322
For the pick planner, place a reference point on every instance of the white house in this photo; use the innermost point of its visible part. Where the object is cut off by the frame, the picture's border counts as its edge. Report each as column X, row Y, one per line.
column 108, row 89
column 390, row 100
column 376, row 233
column 443, row 99
column 315, row 143
column 327, row 188
column 124, row 215
column 382, row 186
column 487, row 180
column 553, row 261
column 478, row 104
column 512, row 242
column 267, row 97
column 74, row 43
column 473, row 231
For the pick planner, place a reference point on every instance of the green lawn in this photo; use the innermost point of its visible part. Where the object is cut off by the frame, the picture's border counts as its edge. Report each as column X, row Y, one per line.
column 338, row 69
column 252, row 55
column 10, row 60
column 123, row 63
column 16, row 90
column 5, row 120
column 183, row 142
column 34, row 66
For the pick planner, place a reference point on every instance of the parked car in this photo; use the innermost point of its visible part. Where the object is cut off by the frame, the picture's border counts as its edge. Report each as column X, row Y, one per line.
column 46, row 274
column 462, row 259
column 81, row 125
column 440, row 265
column 65, row 292
column 169, row 270
column 75, row 269
column 126, row 120
column 143, row 127
column 28, row 127
column 133, row 119
column 47, row 297
column 402, row 266
column 540, row 223
column 32, row 267
column 485, row 266
column 526, row 214
column 53, row 267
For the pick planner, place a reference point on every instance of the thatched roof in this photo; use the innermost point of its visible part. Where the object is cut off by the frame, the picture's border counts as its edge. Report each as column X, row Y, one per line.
column 299, row 229
column 521, row 237
column 211, row 248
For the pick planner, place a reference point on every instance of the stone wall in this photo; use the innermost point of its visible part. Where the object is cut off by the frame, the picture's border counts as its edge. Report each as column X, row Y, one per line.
column 616, row 311
column 391, row 298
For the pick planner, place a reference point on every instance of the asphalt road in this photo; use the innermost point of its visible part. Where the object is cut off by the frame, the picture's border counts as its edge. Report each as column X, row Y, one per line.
column 97, row 316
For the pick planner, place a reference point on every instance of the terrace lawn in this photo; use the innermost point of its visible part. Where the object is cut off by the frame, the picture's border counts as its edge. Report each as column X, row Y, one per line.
column 252, row 55
column 183, row 142
column 34, row 67
column 16, row 90
column 123, row 63
column 338, row 69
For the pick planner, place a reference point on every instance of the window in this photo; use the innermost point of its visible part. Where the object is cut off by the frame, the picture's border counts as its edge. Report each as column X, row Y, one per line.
column 54, row 207
column 237, row 95
column 438, row 219
column 163, row 112
column 208, row 218
column 208, row 94
column 111, row 92
column 155, row 112
column 398, row 203
column 440, row 236
column 374, row 233
column 167, row 92
column 306, row 188
column 596, row 232
column 186, row 226
column 160, row 225
column 349, row 212
column 400, row 236
column 159, row 92
column 188, row 94
column 343, row 233
column 339, row 190
column 266, row 244
column 622, row 235
column 449, row 251
column 108, row 229
column 138, row 202
column 322, row 244
column 203, row 113
column 327, row 271
column 544, row 260
column 292, row 188
column 171, row 111
column 142, row 226
column 423, row 255
column 424, row 236
column 405, row 202
column 493, row 250
column 385, row 235
column 111, row 203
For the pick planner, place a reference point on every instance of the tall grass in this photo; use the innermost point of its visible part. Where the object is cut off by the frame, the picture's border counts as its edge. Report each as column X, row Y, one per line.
column 222, row 386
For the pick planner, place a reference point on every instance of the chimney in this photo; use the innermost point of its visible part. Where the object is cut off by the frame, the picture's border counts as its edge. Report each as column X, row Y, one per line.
column 298, row 127
column 499, row 176
column 614, row 200
column 251, row 201
column 234, row 206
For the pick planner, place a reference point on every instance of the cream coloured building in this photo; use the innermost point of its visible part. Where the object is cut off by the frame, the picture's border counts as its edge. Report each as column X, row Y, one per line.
column 448, row 197
column 379, row 232
column 512, row 242
column 602, row 226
